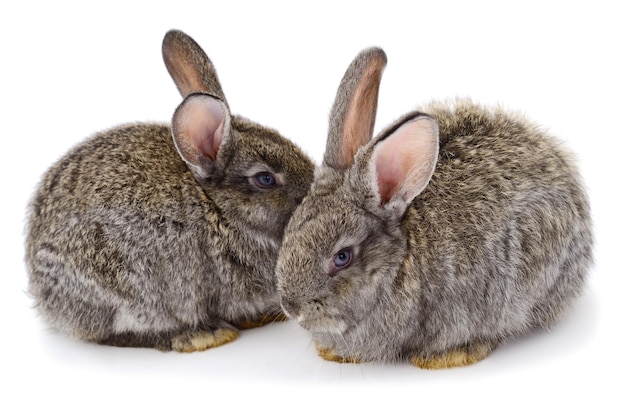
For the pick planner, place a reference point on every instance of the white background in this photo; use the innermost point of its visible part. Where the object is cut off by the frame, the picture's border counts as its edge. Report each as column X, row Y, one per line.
column 68, row 70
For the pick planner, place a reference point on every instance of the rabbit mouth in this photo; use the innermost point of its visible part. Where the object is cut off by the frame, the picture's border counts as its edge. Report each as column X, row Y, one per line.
column 331, row 325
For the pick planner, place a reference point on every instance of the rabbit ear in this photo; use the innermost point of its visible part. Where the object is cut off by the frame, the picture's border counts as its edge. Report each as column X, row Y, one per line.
column 354, row 112
column 200, row 126
column 189, row 66
column 403, row 163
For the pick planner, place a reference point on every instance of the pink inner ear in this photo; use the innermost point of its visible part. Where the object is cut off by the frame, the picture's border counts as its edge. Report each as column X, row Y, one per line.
column 208, row 139
column 204, row 125
column 405, row 160
column 389, row 171
column 359, row 104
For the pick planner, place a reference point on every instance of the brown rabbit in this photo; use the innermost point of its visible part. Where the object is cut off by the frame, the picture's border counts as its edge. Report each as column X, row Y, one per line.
column 457, row 228
column 166, row 237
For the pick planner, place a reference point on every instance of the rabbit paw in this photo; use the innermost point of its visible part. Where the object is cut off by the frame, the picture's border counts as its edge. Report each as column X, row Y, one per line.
column 459, row 357
column 262, row 320
column 330, row 355
column 192, row 341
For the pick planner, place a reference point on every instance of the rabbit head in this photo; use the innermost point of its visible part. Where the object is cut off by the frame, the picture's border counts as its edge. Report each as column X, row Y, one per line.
column 254, row 175
column 343, row 246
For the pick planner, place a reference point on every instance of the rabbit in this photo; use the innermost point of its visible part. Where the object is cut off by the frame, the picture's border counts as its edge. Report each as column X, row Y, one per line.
column 166, row 237
column 457, row 228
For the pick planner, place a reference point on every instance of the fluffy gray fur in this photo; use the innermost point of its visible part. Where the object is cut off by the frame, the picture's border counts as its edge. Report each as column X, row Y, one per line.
column 498, row 242
column 158, row 236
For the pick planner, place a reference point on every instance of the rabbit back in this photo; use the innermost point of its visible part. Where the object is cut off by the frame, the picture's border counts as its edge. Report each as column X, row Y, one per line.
column 501, row 237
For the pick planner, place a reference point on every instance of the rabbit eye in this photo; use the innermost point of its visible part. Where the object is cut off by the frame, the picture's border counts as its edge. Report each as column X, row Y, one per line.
column 265, row 180
column 341, row 260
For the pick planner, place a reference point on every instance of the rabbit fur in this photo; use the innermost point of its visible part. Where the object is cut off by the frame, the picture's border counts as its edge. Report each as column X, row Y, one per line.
column 457, row 228
column 166, row 236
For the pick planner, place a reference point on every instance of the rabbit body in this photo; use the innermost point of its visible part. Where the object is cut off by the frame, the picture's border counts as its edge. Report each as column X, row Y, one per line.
column 132, row 241
column 437, row 267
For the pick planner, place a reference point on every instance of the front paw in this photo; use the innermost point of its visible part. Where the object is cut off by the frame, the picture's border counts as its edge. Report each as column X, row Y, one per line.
column 191, row 341
column 330, row 355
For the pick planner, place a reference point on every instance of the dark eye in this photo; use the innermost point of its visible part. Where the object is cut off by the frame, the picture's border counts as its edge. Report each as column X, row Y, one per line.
column 265, row 180
column 341, row 260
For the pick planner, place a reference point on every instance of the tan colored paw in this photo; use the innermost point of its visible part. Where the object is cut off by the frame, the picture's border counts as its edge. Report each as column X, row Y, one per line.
column 263, row 320
column 454, row 358
column 193, row 341
column 330, row 355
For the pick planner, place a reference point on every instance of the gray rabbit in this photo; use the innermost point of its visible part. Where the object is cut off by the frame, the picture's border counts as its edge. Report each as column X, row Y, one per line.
column 457, row 228
column 166, row 237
